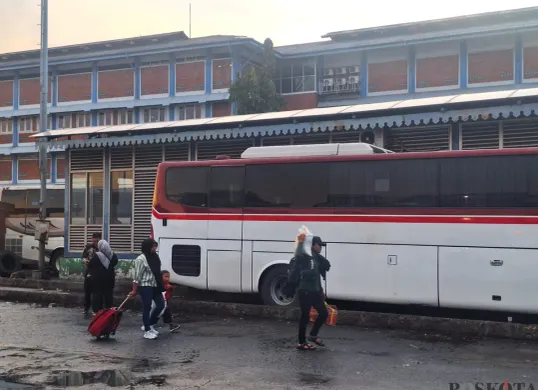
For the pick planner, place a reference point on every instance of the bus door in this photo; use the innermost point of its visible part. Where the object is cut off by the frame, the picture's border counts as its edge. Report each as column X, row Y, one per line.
column 225, row 228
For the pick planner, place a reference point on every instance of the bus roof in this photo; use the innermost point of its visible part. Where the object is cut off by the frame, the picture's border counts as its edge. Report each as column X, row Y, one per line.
column 374, row 156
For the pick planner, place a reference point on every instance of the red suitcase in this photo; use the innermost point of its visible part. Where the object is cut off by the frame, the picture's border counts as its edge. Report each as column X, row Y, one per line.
column 106, row 321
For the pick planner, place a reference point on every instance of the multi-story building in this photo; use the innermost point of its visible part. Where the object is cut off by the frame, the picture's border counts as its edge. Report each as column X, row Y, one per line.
column 171, row 77
column 425, row 68
column 486, row 52
column 140, row 80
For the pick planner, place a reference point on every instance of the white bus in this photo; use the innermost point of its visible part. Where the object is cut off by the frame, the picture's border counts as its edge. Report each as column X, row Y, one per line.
column 443, row 229
column 20, row 234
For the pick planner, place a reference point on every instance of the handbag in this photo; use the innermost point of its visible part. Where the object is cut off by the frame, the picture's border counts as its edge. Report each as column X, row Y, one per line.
column 331, row 318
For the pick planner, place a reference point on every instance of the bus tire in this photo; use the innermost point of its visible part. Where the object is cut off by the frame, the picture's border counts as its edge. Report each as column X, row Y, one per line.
column 55, row 260
column 271, row 287
column 9, row 263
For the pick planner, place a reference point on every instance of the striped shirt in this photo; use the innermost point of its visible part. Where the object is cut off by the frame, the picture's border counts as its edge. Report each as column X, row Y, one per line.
column 142, row 273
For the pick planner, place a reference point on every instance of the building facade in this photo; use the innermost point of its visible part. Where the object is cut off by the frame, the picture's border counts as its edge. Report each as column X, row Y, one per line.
column 119, row 108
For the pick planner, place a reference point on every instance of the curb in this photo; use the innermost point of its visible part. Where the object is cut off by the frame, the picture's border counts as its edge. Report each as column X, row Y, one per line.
column 432, row 325
column 56, row 284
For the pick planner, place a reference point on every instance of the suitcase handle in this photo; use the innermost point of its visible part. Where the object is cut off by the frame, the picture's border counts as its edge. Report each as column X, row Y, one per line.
column 123, row 303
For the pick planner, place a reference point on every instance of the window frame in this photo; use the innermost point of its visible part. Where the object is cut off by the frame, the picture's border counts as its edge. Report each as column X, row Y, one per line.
column 148, row 110
column 86, row 197
column 112, row 171
column 83, row 119
column 6, row 126
column 292, row 78
column 196, row 107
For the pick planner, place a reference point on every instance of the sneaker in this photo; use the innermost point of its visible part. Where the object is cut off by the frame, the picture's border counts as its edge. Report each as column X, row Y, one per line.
column 150, row 335
column 174, row 327
column 151, row 329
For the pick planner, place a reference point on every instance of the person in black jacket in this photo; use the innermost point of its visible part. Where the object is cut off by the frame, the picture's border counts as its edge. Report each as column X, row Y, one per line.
column 102, row 270
column 305, row 277
column 89, row 250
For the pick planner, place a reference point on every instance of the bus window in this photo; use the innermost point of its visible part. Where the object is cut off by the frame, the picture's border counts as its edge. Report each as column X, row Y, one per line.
column 227, row 187
column 311, row 185
column 54, row 203
column 188, row 186
column 17, row 198
column 496, row 181
column 268, row 186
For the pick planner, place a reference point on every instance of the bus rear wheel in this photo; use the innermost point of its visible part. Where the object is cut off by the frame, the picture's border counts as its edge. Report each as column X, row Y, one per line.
column 272, row 285
column 9, row 263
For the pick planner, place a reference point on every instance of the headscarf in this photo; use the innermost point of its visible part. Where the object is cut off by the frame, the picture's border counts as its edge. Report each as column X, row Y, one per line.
column 153, row 260
column 104, row 253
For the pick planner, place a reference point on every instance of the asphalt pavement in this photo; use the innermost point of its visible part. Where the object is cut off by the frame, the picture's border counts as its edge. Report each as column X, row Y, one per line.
column 49, row 347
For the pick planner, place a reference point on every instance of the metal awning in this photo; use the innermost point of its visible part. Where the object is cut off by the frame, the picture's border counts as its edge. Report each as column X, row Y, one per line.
column 438, row 109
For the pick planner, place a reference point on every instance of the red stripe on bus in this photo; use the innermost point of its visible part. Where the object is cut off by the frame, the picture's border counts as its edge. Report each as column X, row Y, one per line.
column 495, row 220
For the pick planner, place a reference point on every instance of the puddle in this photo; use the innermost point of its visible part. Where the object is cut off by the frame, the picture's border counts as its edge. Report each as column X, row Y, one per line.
column 156, row 380
column 313, row 379
column 145, row 365
column 111, row 378
column 16, row 386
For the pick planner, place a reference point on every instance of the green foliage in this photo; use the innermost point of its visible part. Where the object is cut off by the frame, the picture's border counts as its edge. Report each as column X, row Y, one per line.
column 254, row 91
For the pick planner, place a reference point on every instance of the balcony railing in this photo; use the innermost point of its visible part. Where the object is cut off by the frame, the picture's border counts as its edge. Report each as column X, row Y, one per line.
column 339, row 88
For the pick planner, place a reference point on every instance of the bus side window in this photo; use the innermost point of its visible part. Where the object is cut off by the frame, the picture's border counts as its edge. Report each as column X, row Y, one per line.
column 18, row 199
column 188, row 186
column 227, row 187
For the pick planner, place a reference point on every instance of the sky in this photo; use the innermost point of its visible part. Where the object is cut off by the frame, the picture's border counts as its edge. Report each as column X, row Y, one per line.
column 284, row 21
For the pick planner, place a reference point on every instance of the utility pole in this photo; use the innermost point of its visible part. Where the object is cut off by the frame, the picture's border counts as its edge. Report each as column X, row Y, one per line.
column 190, row 21
column 42, row 128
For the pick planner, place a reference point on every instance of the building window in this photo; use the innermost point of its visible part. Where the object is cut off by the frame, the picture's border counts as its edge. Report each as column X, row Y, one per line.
column 296, row 78
column 121, row 197
column 6, row 126
column 83, row 119
column 27, row 124
column 86, row 198
column 191, row 111
column 154, row 114
column 106, row 118
column 64, row 121
column 125, row 117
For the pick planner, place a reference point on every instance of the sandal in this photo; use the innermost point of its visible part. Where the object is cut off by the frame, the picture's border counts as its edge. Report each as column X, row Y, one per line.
column 306, row 347
column 316, row 340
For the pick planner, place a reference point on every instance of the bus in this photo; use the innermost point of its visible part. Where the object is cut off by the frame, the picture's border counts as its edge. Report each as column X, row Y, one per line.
column 21, row 224
column 455, row 229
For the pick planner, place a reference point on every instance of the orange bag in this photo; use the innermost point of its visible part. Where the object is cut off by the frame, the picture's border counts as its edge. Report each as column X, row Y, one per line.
column 331, row 319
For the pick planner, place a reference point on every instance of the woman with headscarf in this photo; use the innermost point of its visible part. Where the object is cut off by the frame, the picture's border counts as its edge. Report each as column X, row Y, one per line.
column 148, row 283
column 102, row 268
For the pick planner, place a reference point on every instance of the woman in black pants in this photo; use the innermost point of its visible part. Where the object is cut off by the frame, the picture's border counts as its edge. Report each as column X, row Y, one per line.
column 306, row 273
column 102, row 270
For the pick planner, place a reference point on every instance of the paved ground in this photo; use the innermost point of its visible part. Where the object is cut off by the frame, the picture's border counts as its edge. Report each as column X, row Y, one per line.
column 39, row 344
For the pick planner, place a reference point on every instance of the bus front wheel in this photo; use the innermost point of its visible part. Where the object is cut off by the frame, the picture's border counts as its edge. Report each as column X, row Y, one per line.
column 272, row 285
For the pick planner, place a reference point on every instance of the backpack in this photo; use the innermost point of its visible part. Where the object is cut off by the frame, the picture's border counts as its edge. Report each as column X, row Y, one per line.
column 294, row 277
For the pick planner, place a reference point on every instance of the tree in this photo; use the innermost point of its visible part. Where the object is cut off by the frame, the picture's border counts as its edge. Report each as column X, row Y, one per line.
column 254, row 91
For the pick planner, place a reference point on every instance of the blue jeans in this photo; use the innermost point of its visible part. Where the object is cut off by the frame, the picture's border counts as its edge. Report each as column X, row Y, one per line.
column 148, row 295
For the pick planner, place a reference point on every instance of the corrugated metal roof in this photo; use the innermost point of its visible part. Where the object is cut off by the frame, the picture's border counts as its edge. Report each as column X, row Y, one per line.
column 62, row 55
column 401, row 40
column 375, row 109
column 475, row 19
column 104, row 45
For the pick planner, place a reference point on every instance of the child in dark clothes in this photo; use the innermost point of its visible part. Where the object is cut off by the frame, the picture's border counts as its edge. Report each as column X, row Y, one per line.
column 169, row 289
